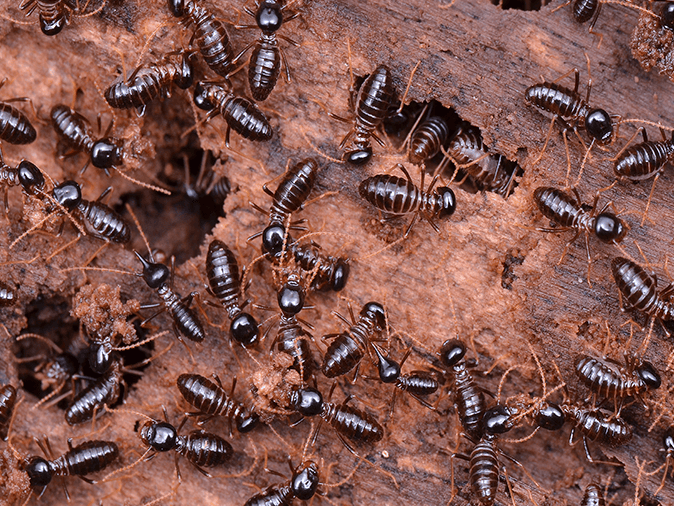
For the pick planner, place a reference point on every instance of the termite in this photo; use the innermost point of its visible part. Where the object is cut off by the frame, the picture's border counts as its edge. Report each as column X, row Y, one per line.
column 15, row 127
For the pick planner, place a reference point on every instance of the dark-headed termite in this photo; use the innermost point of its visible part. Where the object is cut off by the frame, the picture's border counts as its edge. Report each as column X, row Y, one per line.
column 571, row 111
column 212, row 400
column 86, row 458
column 396, row 195
column 209, row 34
column 10, row 176
column 373, row 101
column 222, row 270
column 617, row 383
column 290, row 195
column 14, row 125
column 348, row 348
column 303, row 486
column 7, row 403
column 489, row 171
column 150, row 83
column 160, row 278
column 588, row 10
column 105, row 391
column 201, row 449
column 267, row 57
column 416, row 383
column 638, row 290
column 240, row 114
column 468, row 397
column 55, row 14
column 74, row 129
column 567, row 211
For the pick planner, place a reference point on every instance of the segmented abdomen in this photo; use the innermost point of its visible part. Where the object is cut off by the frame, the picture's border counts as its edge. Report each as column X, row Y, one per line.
column 427, row 139
column 293, row 190
column 484, row 472
column 343, row 354
column 374, row 100
column 104, row 391
column 595, row 427
column 183, row 317
column 469, row 402
column 104, row 222
column 642, row 161
column 149, row 84
column 14, row 126
column 557, row 205
column 353, row 423
column 7, row 402
column 390, row 193
column 555, row 99
column 418, row 383
column 638, row 288
column 222, row 271
column 584, row 10
column 265, row 63
column 212, row 38
column 205, row 395
column 88, row 457
column 72, row 127
column 246, row 119
column 204, row 449
column 273, row 496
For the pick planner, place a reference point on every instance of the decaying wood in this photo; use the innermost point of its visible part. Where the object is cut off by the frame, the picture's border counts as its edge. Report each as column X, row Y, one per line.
column 489, row 277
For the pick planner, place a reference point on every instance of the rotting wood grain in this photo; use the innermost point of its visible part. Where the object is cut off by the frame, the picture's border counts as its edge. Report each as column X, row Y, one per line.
column 474, row 58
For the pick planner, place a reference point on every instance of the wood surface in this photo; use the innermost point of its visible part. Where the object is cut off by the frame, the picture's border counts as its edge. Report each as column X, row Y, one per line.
column 475, row 58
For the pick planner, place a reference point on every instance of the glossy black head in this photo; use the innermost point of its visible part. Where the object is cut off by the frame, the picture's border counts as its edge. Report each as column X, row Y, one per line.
column 53, row 26
column 550, row 417
column 201, row 98
column 101, row 357
column 668, row 439
column 649, row 375
column 269, row 16
column 608, row 227
column 496, row 420
column 599, row 125
column 389, row 370
column 375, row 312
column 452, row 352
column 155, row 275
column 68, row 194
column 668, row 15
column 177, row 7
column 38, row 471
column 244, row 330
column 340, row 275
column 247, row 423
column 161, row 436
column 305, row 481
column 448, row 201
column 185, row 78
column 107, row 153
column 307, row 401
column 358, row 156
column 272, row 239
column 291, row 299
column 30, row 177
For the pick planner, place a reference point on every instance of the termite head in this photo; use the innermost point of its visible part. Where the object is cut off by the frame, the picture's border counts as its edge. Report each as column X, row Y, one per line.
column 244, row 329
column 550, row 417
column 53, row 26
column 668, row 440
column 452, row 352
column 273, row 237
column 291, row 298
column 599, row 125
column 305, row 481
column 247, row 423
column 359, row 156
column 68, row 194
column 185, row 78
column 38, row 470
column 30, row 177
column 447, row 201
column 609, row 228
column 161, row 436
column 269, row 16
column 177, row 8
column 107, row 153
column 496, row 420
column 389, row 370
column 375, row 312
column 339, row 275
column 101, row 356
column 202, row 97
column 155, row 275
column 649, row 375
column 306, row 401
column 668, row 15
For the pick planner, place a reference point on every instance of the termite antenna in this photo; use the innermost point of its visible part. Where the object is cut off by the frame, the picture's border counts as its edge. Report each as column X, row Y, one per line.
column 48, row 342
column 141, row 183
column 107, row 477
column 140, row 229
column 141, row 343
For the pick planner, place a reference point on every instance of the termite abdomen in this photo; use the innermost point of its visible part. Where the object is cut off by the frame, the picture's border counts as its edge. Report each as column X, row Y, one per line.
column 15, row 127
column 427, row 139
column 639, row 289
column 7, row 403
